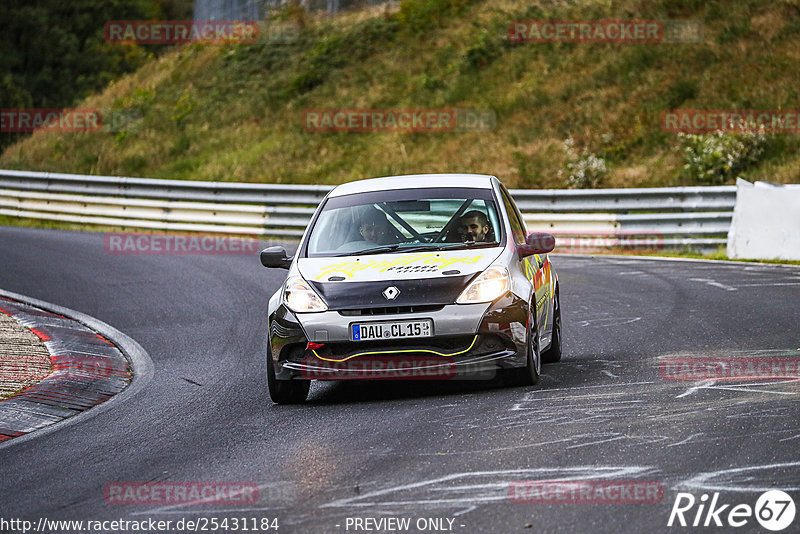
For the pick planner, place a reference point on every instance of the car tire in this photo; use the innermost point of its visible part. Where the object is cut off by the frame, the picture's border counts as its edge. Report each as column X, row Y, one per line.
column 285, row 391
column 528, row 375
column 553, row 354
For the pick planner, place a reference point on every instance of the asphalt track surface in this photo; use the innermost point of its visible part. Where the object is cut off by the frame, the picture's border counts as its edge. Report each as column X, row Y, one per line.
column 421, row 449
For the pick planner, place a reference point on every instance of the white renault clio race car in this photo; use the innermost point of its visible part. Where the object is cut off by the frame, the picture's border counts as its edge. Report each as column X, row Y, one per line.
column 413, row 277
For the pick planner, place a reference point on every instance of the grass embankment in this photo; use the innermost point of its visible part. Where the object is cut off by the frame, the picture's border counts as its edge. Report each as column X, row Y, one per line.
column 233, row 112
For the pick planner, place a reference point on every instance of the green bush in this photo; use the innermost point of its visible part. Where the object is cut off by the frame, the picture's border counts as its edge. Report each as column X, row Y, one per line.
column 482, row 53
column 585, row 170
column 715, row 158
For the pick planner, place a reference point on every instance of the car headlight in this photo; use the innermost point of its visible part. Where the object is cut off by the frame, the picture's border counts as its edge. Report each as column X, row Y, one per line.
column 300, row 297
column 490, row 285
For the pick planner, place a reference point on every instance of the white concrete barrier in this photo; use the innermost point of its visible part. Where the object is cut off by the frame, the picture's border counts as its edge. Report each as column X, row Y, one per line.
column 766, row 222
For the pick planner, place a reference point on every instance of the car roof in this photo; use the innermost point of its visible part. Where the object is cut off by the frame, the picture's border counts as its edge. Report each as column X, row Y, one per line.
column 415, row 181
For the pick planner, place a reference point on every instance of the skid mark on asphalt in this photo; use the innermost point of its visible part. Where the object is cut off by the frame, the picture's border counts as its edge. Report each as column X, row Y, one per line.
column 755, row 478
column 611, row 402
column 726, row 277
column 677, row 368
column 777, row 411
column 687, row 440
column 608, row 321
column 593, row 404
column 734, row 280
column 747, row 387
column 596, row 442
column 690, row 391
column 768, row 284
column 713, row 283
column 473, row 488
column 602, row 366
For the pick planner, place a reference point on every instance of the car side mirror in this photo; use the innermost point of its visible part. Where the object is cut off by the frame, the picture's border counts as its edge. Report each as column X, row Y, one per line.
column 275, row 257
column 537, row 243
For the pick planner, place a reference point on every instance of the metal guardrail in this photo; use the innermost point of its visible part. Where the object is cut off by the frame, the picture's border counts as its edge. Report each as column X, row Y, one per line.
column 658, row 199
column 697, row 217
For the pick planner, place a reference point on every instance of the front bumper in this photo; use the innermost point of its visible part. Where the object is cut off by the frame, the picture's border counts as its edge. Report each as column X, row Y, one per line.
column 469, row 341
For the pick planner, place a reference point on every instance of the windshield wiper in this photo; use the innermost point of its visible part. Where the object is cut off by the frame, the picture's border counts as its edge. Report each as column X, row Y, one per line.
column 468, row 244
column 421, row 248
column 388, row 248
column 376, row 250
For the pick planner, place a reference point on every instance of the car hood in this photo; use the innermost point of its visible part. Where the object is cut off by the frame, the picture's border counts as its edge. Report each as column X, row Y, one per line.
column 382, row 267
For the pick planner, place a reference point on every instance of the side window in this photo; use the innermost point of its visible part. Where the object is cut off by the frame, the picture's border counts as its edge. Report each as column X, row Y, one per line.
column 517, row 226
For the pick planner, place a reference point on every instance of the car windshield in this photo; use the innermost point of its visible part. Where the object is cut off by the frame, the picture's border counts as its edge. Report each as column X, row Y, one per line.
column 405, row 221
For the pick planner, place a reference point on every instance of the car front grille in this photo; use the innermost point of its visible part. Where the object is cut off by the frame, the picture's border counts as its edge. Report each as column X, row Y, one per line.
column 445, row 344
column 392, row 310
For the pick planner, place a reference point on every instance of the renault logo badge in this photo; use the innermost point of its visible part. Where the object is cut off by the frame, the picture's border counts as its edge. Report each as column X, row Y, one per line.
column 390, row 293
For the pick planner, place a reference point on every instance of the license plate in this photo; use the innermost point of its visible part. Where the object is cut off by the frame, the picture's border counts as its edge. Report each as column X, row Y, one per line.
column 392, row 330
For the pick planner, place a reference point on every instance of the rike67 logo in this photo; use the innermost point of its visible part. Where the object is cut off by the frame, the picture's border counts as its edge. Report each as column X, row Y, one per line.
column 774, row 510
